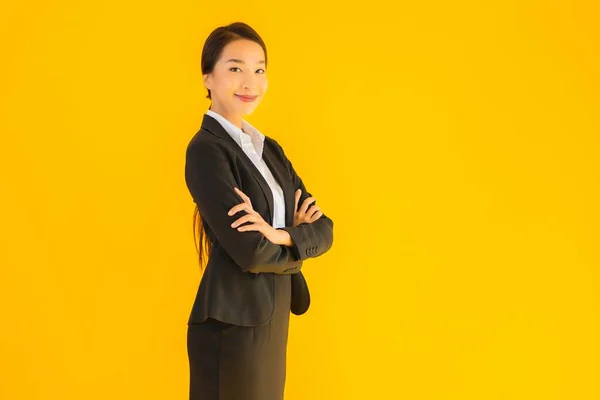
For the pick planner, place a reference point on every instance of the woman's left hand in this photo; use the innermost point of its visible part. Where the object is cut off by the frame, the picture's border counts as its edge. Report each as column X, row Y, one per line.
column 276, row 236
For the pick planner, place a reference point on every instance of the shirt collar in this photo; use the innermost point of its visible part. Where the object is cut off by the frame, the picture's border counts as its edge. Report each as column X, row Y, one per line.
column 248, row 133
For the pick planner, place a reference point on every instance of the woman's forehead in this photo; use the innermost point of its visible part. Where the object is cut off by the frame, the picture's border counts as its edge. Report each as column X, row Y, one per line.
column 243, row 51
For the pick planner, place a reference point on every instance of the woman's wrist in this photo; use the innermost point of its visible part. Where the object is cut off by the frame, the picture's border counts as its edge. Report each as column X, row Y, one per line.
column 285, row 238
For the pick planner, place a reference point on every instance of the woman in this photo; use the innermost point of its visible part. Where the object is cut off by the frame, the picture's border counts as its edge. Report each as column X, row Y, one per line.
column 247, row 195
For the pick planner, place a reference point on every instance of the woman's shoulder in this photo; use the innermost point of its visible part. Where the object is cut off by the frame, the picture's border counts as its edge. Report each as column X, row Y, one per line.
column 274, row 145
column 202, row 136
column 208, row 147
column 206, row 140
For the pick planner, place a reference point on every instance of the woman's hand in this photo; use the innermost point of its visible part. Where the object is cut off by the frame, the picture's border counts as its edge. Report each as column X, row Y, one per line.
column 305, row 214
column 276, row 236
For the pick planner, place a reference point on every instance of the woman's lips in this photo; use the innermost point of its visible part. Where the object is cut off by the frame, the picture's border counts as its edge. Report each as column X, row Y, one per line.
column 246, row 98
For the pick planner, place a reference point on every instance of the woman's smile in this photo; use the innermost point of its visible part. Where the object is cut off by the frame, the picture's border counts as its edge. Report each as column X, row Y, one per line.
column 246, row 98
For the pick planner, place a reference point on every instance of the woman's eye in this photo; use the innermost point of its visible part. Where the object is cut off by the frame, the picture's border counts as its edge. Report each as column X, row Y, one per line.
column 232, row 69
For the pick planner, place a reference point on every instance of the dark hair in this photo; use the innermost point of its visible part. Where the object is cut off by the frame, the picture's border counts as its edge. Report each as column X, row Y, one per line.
column 213, row 47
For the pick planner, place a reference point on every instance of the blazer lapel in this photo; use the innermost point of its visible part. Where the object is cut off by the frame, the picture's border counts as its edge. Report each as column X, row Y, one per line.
column 279, row 173
column 215, row 127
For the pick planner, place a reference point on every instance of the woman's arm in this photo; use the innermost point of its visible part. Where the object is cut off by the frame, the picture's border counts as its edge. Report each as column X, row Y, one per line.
column 210, row 181
column 309, row 239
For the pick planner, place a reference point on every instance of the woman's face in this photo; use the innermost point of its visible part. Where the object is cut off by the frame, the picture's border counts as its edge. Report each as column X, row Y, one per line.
column 239, row 72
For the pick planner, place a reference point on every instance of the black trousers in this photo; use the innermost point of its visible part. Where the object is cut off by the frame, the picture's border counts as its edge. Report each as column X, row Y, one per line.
column 231, row 362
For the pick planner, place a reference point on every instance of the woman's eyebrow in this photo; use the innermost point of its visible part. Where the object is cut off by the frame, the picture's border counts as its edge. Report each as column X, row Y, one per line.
column 237, row 60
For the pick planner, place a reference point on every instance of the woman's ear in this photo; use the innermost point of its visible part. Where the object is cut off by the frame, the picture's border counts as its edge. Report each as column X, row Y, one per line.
column 207, row 80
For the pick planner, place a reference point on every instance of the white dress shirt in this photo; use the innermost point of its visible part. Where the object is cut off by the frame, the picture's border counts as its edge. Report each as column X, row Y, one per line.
column 251, row 140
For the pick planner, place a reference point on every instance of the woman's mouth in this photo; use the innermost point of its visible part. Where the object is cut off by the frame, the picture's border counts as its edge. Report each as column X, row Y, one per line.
column 247, row 99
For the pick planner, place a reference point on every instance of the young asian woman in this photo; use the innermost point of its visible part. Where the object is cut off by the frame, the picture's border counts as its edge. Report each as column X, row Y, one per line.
column 260, row 224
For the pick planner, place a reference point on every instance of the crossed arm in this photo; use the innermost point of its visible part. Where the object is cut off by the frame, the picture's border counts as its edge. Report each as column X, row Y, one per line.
column 210, row 181
column 310, row 239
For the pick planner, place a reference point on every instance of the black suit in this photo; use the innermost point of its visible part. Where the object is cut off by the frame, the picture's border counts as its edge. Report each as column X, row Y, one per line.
column 237, row 286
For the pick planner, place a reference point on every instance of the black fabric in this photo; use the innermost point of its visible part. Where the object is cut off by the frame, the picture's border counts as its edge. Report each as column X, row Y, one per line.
column 231, row 362
column 238, row 284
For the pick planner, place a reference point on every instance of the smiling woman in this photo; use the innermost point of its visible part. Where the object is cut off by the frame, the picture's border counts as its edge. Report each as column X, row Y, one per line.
column 247, row 197
column 221, row 70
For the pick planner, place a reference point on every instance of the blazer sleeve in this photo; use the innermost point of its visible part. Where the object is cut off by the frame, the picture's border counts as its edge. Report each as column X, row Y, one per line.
column 310, row 239
column 210, row 180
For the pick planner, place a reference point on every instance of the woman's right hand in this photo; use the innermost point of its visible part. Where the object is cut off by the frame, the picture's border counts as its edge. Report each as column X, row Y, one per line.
column 305, row 214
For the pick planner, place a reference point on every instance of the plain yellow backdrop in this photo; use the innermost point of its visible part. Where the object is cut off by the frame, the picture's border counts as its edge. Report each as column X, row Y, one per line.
column 455, row 145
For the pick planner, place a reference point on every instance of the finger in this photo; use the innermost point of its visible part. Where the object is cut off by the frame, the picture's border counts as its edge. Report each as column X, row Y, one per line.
column 245, row 218
column 250, row 227
column 305, row 204
column 297, row 196
column 312, row 210
column 243, row 196
column 316, row 216
column 239, row 207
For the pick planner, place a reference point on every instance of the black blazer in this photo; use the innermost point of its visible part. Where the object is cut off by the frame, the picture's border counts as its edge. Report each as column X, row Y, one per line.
column 237, row 286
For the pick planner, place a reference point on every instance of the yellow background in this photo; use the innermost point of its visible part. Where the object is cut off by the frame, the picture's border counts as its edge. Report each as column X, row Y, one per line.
column 454, row 144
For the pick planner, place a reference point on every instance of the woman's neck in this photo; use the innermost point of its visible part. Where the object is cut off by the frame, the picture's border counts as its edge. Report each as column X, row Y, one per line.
column 234, row 119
